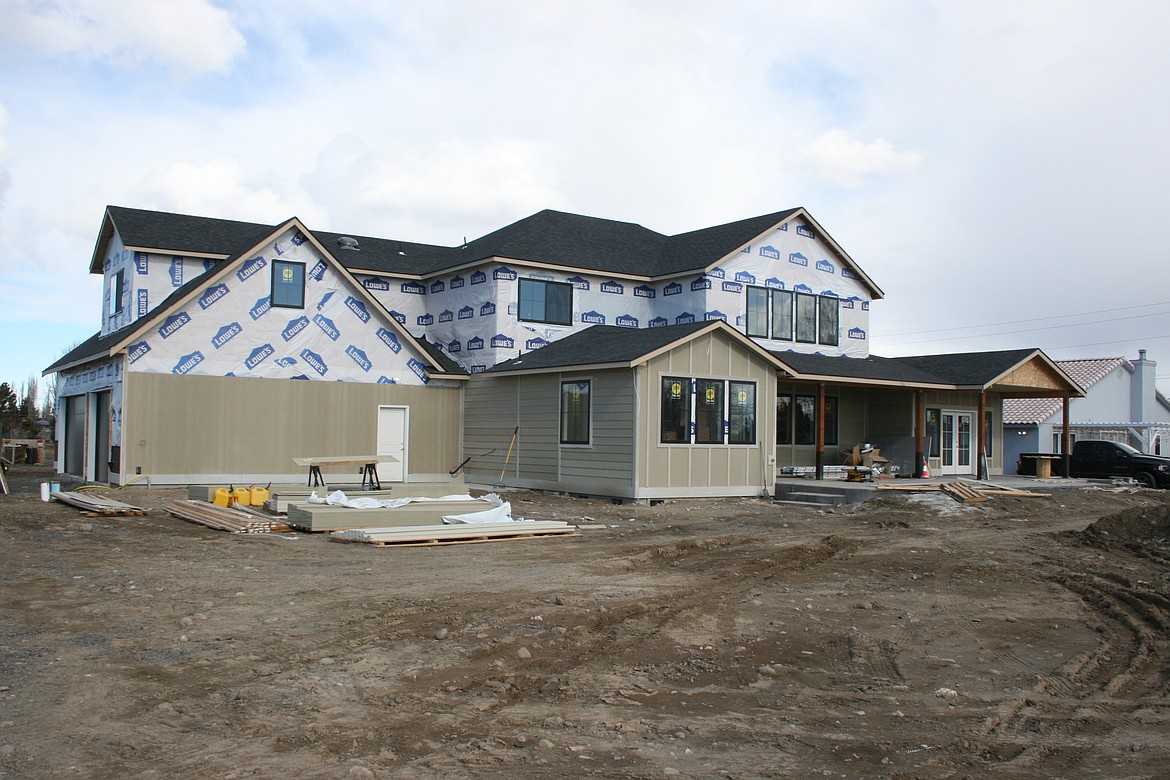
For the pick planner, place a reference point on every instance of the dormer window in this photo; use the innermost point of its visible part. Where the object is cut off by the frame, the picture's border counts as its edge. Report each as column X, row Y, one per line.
column 117, row 291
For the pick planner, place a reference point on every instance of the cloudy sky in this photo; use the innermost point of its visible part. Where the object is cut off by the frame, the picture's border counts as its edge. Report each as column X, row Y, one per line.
column 1000, row 169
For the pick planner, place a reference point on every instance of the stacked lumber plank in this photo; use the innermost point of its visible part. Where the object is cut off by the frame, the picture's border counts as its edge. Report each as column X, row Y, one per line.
column 962, row 492
column 95, row 505
column 965, row 492
column 236, row 521
column 462, row 533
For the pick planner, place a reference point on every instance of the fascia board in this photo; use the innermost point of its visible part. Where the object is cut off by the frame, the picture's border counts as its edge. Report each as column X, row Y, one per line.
column 562, row 369
column 1079, row 392
column 184, row 252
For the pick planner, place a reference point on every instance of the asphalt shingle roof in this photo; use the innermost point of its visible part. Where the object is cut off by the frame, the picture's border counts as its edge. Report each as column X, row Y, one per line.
column 962, row 369
column 599, row 344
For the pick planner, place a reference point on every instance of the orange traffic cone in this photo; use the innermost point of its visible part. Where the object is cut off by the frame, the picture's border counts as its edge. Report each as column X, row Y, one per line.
column 925, row 469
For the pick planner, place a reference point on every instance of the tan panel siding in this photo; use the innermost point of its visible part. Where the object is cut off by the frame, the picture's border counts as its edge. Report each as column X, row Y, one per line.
column 228, row 425
column 610, row 458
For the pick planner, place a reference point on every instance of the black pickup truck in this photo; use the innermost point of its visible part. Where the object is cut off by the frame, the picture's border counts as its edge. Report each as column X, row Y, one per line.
column 1103, row 460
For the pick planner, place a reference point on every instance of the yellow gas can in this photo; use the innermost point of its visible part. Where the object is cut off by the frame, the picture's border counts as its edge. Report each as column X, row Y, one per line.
column 223, row 497
column 243, row 496
column 258, row 495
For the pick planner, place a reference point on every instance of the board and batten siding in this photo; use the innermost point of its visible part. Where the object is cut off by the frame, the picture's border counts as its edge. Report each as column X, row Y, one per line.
column 496, row 406
column 182, row 429
column 694, row 470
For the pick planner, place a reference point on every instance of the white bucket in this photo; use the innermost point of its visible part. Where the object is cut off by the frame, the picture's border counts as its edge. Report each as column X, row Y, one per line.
column 44, row 491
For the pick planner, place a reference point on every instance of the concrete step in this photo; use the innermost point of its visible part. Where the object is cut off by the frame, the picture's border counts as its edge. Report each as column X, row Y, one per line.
column 816, row 497
column 801, row 504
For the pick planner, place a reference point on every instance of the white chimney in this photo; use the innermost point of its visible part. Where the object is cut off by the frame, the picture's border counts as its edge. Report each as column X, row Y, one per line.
column 1143, row 388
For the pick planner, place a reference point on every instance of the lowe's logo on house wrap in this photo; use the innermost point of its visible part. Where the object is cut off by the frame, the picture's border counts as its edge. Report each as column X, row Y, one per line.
column 226, row 334
column 298, row 238
column 715, row 315
column 314, row 360
column 626, row 321
column 359, row 357
column 285, row 362
column 593, row 317
column 487, row 309
column 446, row 315
column 702, row 283
column 500, row 341
column 413, row 288
column 398, row 316
column 376, row 284
column 674, row 288
column 478, row 277
column 613, row 288
column 644, row 291
column 251, row 268
column 327, row 327
column 386, row 380
column 847, row 272
column 796, row 258
column 324, row 300
column 454, row 347
column 172, row 324
column 188, row 362
column 802, row 288
column 535, row 343
column 774, row 283
column 457, row 282
column 140, row 264
column 744, row 277
column 418, row 369
column 176, row 272
column 318, row 271
column 857, row 334
column 390, row 340
column 294, row 327
column 212, row 295
column 847, row 303
column 503, row 273
column 865, row 305
column 143, row 302
column 770, row 252
column 466, row 313
column 732, row 287
column 438, row 286
column 685, row 318
column 259, row 355
column 262, row 307
column 830, row 293
column 805, row 230
column 136, row 351
column 579, row 283
column 358, row 308
column 425, row 319
column 826, row 267
column 474, row 344
column 658, row 322
column 717, row 273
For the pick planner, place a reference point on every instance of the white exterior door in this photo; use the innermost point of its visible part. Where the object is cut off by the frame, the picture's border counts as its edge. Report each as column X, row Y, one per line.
column 956, row 443
column 393, row 422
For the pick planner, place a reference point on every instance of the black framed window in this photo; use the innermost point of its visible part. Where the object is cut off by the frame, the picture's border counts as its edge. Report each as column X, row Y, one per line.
column 548, row 302
column 757, row 312
column 783, row 419
column 117, row 291
column 676, row 410
column 708, row 411
column 782, row 315
column 575, row 410
column 806, row 318
column 741, row 412
column 288, row 284
column 829, row 318
column 806, row 419
column 933, row 421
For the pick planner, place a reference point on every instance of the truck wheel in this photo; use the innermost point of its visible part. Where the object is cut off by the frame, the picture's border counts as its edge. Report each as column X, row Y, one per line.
column 1146, row 479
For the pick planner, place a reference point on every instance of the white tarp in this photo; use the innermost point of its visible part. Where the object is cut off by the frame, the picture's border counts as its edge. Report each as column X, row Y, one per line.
column 338, row 498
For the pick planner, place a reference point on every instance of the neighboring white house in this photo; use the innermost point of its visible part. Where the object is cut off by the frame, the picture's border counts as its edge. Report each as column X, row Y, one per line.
column 1122, row 403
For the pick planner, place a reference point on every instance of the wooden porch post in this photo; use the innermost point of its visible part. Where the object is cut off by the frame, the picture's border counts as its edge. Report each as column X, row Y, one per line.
column 981, row 438
column 821, row 430
column 1065, row 436
column 919, row 432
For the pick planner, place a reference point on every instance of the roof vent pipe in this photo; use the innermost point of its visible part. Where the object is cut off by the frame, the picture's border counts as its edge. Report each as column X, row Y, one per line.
column 348, row 242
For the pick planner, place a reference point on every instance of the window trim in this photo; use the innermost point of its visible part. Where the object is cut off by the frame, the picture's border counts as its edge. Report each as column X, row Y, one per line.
column 693, row 386
column 719, row 386
column 731, row 389
column 588, row 442
column 545, row 283
column 685, row 383
column 276, row 266
column 823, row 332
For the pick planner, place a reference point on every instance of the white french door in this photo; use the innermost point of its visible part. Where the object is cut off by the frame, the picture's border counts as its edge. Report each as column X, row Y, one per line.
column 956, row 444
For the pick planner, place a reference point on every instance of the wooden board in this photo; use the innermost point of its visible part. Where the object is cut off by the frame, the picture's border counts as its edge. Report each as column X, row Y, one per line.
column 462, row 533
column 322, row 517
column 98, row 505
column 962, row 492
column 238, row 521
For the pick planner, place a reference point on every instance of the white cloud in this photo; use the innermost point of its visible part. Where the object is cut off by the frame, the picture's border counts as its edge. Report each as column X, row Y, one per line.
column 188, row 36
column 843, row 160
column 5, row 174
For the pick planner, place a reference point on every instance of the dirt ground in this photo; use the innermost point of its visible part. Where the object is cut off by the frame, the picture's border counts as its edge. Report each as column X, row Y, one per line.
column 908, row 637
